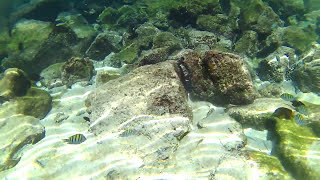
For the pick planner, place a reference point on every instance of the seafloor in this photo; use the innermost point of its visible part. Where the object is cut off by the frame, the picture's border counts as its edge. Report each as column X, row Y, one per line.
column 170, row 89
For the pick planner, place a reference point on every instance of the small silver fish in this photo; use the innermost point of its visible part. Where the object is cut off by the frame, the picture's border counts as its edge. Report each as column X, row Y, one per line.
column 303, row 110
column 75, row 139
column 287, row 97
column 299, row 119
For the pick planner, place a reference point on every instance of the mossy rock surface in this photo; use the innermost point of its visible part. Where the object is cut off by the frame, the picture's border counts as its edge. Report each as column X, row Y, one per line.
column 270, row 165
column 300, row 38
column 167, row 39
column 127, row 55
column 36, row 103
column 293, row 146
column 14, row 83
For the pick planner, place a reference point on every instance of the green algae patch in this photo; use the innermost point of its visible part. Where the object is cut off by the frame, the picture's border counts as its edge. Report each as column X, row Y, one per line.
column 129, row 54
column 28, row 36
column 270, row 165
column 292, row 146
column 300, row 38
column 36, row 103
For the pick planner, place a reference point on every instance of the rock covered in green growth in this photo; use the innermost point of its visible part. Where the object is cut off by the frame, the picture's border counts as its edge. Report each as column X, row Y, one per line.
column 51, row 76
column 300, row 37
column 105, row 76
column 219, row 24
column 36, row 103
column 146, row 33
column 167, row 39
column 14, row 83
column 127, row 55
column 192, row 9
column 35, row 45
column 28, row 36
column 217, row 76
column 126, row 16
column 4, row 40
column 77, row 23
column 108, row 16
column 77, row 69
column 272, row 42
column 258, row 115
column 287, row 8
column 27, row 131
column 153, row 56
column 200, row 39
column 269, row 165
column 103, row 45
column 259, row 17
column 293, row 146
column 131, row 16
column 312, row 5
column 307, row 76
column 247, row 44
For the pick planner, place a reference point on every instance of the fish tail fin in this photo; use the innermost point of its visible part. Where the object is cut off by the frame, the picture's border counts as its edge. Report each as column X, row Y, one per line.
column 66, row 140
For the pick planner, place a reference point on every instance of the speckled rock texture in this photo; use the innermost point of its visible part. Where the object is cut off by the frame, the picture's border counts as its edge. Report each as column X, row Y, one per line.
column 217, row 76
column 77, row 69
column 307, row 76
column 152, row 89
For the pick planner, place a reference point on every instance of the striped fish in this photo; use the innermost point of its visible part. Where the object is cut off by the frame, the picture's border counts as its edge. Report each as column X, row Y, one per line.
column 303, row 110
column 287, row 97
column 299, row 119
column 75, row 139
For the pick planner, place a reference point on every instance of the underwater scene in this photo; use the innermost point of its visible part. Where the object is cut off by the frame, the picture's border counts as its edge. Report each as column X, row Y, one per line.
column 159, row 89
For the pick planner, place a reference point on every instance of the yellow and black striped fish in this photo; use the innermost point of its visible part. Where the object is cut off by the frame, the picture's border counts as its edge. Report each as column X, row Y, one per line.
column 287, row 97
column 75, row 139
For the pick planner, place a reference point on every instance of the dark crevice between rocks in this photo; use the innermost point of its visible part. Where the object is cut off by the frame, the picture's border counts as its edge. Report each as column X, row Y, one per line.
column 185, row 75
column 267, row 50
column 225, row 6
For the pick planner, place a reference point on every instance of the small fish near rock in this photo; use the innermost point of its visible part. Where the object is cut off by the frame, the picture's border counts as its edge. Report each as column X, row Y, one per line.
column 75, row 139
column 287, row 97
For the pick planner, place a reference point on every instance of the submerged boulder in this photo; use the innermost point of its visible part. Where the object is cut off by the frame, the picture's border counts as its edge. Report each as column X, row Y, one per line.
column 103, row 45
column 36, row 103
column 50, row 77
column 150, row 90
column 257, row 115
column 35, row 45
column 14, row 83
column 307, row 76
column 297, row 147
column 77, row 69
column 217, row 76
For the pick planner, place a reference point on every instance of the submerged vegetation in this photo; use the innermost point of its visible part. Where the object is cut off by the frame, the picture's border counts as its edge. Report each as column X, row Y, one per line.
column 162, row 86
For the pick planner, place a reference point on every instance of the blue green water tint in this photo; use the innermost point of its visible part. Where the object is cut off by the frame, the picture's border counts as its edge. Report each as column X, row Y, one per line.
column 149, row 89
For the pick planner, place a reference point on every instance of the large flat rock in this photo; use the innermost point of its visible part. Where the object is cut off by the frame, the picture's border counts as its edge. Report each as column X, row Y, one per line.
column 148, row 90
column 17, row 131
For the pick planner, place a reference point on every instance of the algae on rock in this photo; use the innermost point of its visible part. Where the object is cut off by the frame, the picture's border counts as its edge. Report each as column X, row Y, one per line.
column 292, row 147
column 14, row 83
column 36, row 103
column 270, row 165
